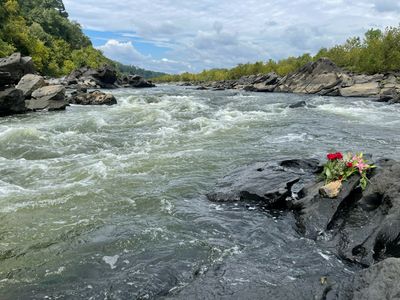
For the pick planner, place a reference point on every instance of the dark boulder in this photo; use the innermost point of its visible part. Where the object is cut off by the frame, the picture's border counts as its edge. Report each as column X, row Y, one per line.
column 267, row 184
column 362, row 226
column 134, row 81
column 298, row 104
column 104, row 77
column 391, row 95
column 92, row 98
column 380, row 281
column 5, row 80
column 16, row 66
column 12, row 101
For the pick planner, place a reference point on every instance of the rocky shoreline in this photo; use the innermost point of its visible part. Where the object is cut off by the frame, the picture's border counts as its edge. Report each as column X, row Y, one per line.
column 322, row 77
column 22, row 90
column 361, row 228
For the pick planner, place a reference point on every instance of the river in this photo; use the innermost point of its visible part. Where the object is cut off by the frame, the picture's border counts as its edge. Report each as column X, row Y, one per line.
column 109, row 202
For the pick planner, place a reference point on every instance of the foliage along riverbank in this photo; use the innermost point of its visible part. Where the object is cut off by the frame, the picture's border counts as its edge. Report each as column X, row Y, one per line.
column 377, row 52
column 41, row 29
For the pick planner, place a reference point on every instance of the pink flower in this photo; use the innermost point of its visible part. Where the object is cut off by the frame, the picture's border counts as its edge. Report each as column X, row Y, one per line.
column 361, row 166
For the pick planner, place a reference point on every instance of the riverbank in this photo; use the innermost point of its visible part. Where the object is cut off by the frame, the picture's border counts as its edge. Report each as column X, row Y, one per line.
column 322, row 77
column 23, row 90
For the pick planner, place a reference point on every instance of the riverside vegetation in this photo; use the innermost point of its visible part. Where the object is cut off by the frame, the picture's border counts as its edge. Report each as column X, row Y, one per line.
column 377, row 52
column 41, row 29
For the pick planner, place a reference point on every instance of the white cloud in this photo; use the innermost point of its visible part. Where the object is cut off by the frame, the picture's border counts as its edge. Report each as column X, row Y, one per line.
column 124, row 52
column 207, row 33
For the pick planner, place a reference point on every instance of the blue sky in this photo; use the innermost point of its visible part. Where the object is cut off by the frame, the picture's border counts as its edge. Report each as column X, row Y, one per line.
column 175, row 36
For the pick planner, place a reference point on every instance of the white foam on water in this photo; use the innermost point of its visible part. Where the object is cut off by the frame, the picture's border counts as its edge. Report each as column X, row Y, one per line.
column 57, row 272
column 291, row 137
column 111, row 260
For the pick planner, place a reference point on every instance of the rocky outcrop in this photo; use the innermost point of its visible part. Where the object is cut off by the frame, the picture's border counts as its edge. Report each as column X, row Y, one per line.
column 360, row 227
column 29, row 83
column 380, row 281
column 92, row 98
column 105, row 77
column 48, row 98
column 12, row 101
column 321, row 77
column 15, row 66
column 134, row 81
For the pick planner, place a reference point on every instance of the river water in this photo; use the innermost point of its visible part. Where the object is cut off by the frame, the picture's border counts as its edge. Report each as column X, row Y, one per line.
column 109, row 202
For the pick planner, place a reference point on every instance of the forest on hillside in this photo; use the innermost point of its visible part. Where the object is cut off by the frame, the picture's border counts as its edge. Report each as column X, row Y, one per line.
column 41, row 29
column 377, row 52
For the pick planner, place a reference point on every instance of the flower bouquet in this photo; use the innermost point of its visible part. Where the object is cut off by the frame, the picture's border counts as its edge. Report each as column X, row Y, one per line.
column 340, row 167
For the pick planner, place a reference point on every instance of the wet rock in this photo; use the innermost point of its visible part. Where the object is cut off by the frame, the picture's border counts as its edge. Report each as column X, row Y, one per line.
column 92, row 98
column 12, row 101
column 17, row 66
column 48, row 98
column 298, row 104
column 380, row 281
column 266, row 184
column 29, row 83
column 364, row 226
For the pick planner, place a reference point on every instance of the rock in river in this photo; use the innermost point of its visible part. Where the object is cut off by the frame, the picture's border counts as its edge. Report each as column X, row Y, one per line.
column 50, row 98
column 92, row 98
column 12, row 101
column 360, row 227
column 29, row 83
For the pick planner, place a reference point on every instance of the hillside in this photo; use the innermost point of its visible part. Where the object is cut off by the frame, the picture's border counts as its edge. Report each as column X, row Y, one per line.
column 41, row 29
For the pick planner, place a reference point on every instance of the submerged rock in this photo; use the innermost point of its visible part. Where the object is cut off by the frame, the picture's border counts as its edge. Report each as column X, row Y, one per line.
column 12, row 101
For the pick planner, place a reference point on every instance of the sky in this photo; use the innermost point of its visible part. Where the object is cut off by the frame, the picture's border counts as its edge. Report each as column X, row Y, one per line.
column 176, row 36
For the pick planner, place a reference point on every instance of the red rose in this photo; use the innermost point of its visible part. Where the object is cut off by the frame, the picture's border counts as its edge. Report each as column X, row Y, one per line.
column 339, row 155
column 349, row 164
column 331, row 156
